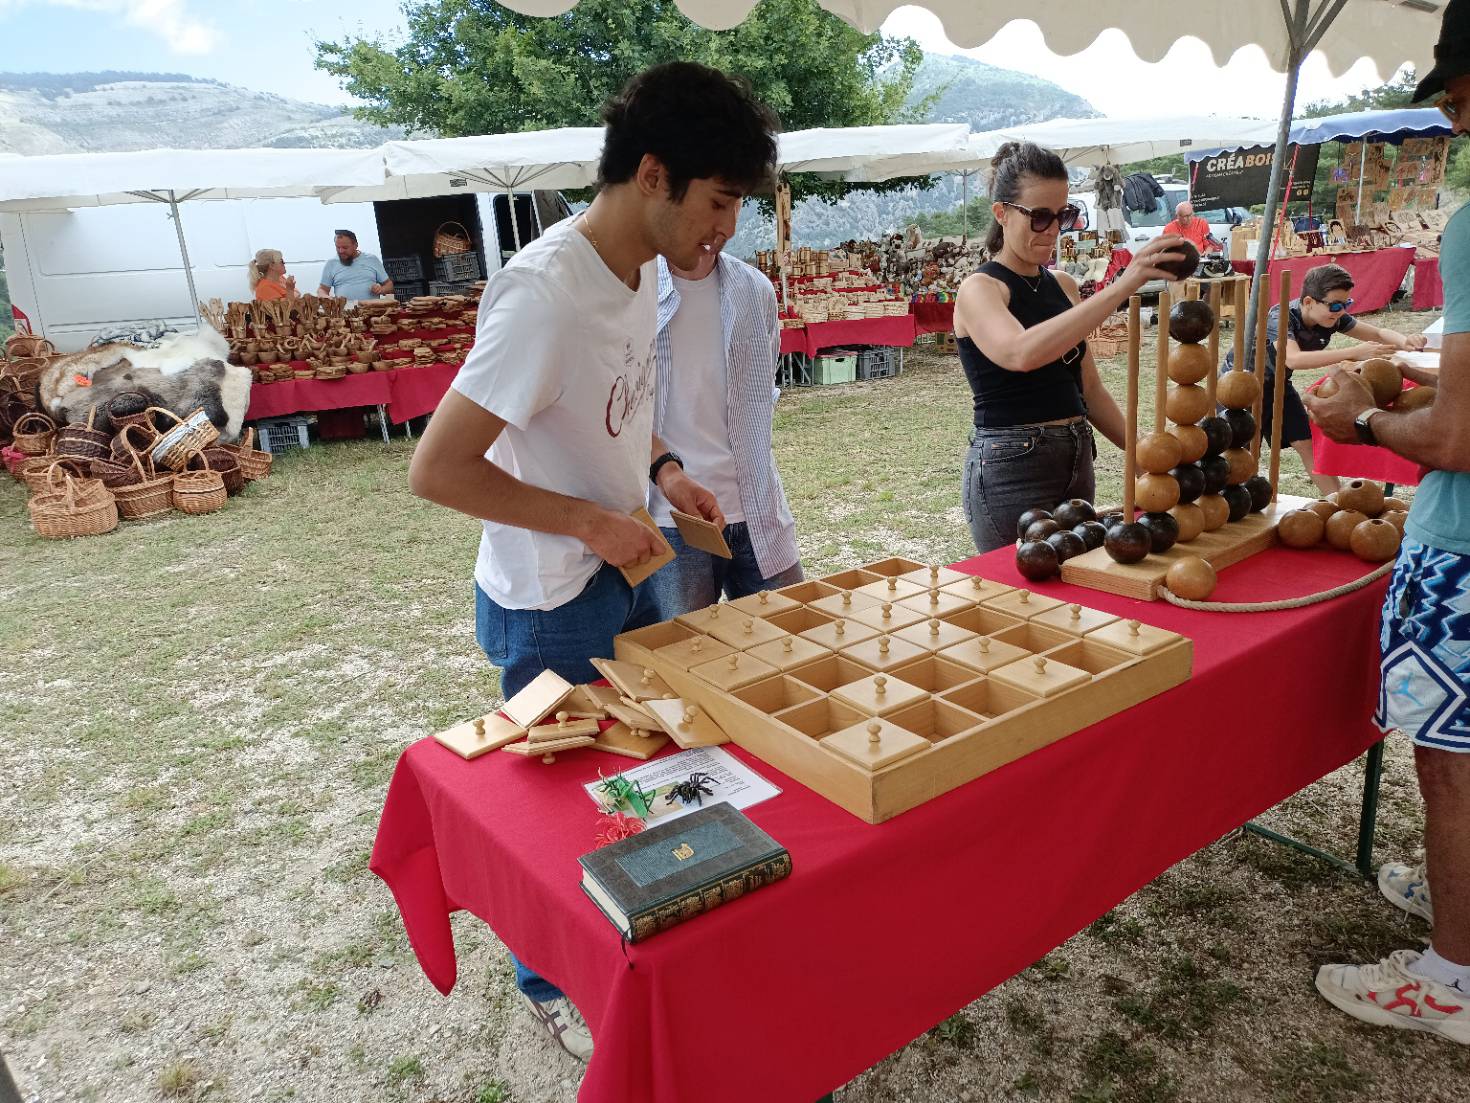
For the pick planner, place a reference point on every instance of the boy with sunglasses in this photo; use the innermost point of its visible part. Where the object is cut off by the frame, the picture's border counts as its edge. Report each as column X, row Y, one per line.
column 1321, row 311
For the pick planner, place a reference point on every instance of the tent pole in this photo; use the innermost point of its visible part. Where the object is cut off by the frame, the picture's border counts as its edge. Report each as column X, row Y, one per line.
column 515, row 222
column 173, row 209
column 965, row 207
column 1362, row 164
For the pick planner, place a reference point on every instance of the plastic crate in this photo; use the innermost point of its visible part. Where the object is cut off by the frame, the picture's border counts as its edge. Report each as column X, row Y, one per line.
column 877, row 363
column 409, row 290
column 835, row 367
column 277, row 434
column 458, row 268
column 404, row 268
column 439, row 287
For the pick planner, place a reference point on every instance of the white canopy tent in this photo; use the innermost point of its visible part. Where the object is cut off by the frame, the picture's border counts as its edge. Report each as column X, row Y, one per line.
column 873, row 153
column 173, row 176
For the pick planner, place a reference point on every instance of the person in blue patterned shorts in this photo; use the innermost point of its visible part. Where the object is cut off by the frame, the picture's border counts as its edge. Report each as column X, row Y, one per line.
column 1424, row 686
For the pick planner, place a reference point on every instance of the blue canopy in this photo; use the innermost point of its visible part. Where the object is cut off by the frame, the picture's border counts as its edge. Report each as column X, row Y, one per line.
column 1392, row 126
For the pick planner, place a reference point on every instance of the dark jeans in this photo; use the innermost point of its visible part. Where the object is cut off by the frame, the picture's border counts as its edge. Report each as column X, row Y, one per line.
column 524, row 642
column 697, row 579
column 1011, row 470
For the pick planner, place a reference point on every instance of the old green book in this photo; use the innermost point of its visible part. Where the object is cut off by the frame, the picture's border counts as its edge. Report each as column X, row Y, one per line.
column 676, row 870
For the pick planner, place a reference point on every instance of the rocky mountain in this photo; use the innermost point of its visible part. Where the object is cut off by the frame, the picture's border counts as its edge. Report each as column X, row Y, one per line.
column 988, row 97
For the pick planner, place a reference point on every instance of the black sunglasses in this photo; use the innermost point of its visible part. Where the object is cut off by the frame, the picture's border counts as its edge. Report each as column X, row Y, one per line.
column 1041, row 218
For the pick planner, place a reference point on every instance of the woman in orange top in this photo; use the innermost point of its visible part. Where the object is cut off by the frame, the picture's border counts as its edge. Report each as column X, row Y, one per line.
column 268, row 277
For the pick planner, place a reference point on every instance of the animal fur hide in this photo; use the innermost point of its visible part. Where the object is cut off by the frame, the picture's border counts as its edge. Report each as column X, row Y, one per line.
column 182, row 374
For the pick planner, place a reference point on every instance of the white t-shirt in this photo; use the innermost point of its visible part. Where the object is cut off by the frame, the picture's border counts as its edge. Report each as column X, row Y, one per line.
column 564, row 354
column 698, row 424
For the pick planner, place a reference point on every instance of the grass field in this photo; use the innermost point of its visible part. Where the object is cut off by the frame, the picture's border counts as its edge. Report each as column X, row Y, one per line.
column 200, row 717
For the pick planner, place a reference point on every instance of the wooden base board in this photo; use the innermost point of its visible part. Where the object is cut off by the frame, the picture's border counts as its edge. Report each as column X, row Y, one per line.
column 1225, row 546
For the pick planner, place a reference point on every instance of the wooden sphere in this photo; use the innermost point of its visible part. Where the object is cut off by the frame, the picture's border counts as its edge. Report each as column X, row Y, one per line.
column 1363, row 495
column 1163, row 531
column 1384, row 379
column 1238, row 498
column 1191, row 520
column 1327, row 388
column 1323, row 508
column 1217, row 473
column 1189, row 363
column 1040, row 530
column 1193, row 442
column 1215, row 509
column 1191, row 480
column 1184, row 267
column 1037, row 561
column 1375, row 540
column 1301, row 528
column 1074, row 512
column 1415, row 398
column 1395, row 503
column 1191, row 320
column 1156, row 453
column 1242, row 466
column 1260, row 490
column 1029, row 518
column 1396, row 518
column 1128, row 542
column 1238, row 390
column 1242, row 428
column 1155, row 493
column 1191, row 578
column 1219, row 435
column 1187, row 404
column 1340, row 528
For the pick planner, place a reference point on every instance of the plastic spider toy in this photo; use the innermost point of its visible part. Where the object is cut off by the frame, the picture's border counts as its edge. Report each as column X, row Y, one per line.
column 692, row 791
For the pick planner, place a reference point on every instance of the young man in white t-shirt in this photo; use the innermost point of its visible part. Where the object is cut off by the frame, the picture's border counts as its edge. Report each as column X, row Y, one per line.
column 547, row 433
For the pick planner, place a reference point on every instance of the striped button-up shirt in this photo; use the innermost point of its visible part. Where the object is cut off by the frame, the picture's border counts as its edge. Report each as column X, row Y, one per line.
column 752, row 345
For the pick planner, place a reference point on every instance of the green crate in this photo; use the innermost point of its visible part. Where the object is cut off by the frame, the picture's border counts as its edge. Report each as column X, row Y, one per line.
column 835, row 368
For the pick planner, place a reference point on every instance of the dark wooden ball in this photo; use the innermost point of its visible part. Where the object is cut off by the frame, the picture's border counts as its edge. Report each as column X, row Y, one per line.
column 1242, row 428
column 1040, row 530
column 1163, row 530
column 1128, row 542
column 1110, row 518
column 1066, row 544
column 1184, row 267
column 1191, row 480
column 1238, row 498
column 1037, row 561
column 1190, row 321
column 1093, row 533
column 1072, row 513
column 1216, row 471
column 1260, row 490
column 1028, row 518
column 1218, row 434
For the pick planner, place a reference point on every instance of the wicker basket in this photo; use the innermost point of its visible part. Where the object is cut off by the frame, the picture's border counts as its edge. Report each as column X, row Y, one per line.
column 79, row 508
column 201, row 491
column 37, row 473
column 448, row 244
column 13, row 405
column 149, row 496
column 83, row 441
column 189, row 436
column 129, row 408
column 24, row 346
column 254, row 463
column 137, row 437
column 114, row 473
column 34, row 433
column 226, row 463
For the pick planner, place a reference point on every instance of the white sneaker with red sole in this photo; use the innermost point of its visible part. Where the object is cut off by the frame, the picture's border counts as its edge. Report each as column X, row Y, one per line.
column 1388, row 994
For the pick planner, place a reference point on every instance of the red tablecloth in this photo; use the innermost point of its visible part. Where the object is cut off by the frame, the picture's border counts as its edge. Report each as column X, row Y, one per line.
column 933, row 317
column 882, row 931
column 865, row 331
column 793, row 339
column 1376, row 275
column 1359, row 461
column 293, row 396
column 1428, row 287
column 414, row 392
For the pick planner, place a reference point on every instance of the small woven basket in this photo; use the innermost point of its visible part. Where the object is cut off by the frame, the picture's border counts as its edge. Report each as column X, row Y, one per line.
column 448, row 244
column 129, row 408
column 137, row 437
column 34, row 433
column 36, row 473
column 83, row 441
column 150, row 495
column 200, row 491
column 226, row 463
column 190, row 435
column 81, row 507
column 254, row 463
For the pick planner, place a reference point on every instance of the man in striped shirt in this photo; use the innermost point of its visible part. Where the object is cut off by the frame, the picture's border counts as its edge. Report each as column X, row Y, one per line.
column 718, row 341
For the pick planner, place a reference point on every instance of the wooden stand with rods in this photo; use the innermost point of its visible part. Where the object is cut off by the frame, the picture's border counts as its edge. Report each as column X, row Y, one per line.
column 1130, row 426
column 1278, row 396
column 1261, row 319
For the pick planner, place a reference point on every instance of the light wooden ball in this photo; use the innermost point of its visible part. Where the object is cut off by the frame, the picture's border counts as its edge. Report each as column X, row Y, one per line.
column 1156, row 493
column 1191, row 521
column 1324, row 508
column 1375, row 540
column 1187, row 404
column 1194, row 442
column 1242, row 465
column 1395, row 503
column 1238, row 390
column 1363, row 495
column 1340, row 528
column 1216, row 510
column 1191, row 578
column 1157, row 453
column 1301, row 528
column 1416, row 398
column 1189, row 364
column 1384, row 378
column 1396, row 518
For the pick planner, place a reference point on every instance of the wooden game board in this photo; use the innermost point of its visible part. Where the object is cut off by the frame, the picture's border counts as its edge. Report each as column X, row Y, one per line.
column 936, row 719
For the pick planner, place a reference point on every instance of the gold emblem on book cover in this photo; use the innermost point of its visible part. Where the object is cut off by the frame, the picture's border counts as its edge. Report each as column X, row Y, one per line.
column 683, row 852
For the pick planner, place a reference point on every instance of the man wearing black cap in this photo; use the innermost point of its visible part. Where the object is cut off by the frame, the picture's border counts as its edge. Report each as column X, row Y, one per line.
column 1425, row 637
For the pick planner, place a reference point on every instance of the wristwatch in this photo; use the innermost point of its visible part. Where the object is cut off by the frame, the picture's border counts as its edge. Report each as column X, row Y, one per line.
column 1363, row 424
column 667, row 457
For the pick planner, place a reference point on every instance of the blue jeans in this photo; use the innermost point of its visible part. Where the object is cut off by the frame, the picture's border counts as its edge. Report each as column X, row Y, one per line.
column 524, row 642
column 696, row 579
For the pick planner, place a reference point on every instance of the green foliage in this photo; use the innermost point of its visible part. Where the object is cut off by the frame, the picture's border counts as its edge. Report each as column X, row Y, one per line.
column 1396, row 93
column 1457, row 176
column 952, row 223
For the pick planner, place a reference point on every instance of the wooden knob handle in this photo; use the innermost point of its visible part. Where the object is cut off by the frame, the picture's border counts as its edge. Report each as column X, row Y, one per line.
column 714, row 611
column 1076, row 612
column 880, row 684
column 934, row 626
column 697, row 645
column 648, row 675
column 1133, row 627
column 985, row 645
column 840, row 627
column 734, row 661
column 933, row 597
column 892, row 583
column 882, row 645
column 788, row 643
column 688, row 717
column 846, row 597
column 1040, row 664
column 875, row 733
column 933, row 570
column 888, row 610
column 765, row 596
column 548, row 758
column 1025, row 597
column 480, row 727
column 749, row 627
column 561, row 720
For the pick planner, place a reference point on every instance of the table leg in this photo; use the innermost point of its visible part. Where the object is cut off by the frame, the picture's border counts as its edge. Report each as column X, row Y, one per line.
column 383, row 422
column 1362, row 865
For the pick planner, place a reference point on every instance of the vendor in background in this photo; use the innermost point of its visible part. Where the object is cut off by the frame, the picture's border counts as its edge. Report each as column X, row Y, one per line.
column 1022, row 333
column 353, row 274
column 1321, row 311
column 718, row 343
column 1192, row 229
column 268, row 277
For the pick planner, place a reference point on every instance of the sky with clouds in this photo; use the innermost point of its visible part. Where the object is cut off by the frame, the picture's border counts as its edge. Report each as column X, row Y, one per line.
column 266, row 45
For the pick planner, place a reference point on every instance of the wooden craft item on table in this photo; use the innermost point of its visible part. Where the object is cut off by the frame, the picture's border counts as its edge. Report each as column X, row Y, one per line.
column 984, row 653
column 688, row 724
column 639, row 571
column 839, row 633
column 1076, row 619
column 875, row 743
column 588, row 702
column 937, row 603
column 1134, row 637
column 845, row 603
column 1040, row 675
column 883, row 653
column 638, row 682
column 888, row 617
column 621, row 739
column 541, row 697
column 977, row 589
column 701, row 534
column 548, row 750
column 764, row 604
column 1023, row 603
column 934, row 575
column 484, row 733
column 564, row 728
column 733, row 671
column 935, row 634
column 746, row 632
column 878, row 694
column 694, row 651
column 635, row 717
column 787, row 652
column 890, row 589
column 701, row 620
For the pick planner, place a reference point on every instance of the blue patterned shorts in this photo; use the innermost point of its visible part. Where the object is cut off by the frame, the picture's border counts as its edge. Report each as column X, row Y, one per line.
column 1424, row 683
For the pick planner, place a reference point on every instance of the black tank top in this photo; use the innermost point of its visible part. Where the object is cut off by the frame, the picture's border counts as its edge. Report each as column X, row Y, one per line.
column 1051, row 392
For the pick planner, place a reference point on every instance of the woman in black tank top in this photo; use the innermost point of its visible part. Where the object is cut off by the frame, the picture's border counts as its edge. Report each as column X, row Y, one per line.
column 1022, row 335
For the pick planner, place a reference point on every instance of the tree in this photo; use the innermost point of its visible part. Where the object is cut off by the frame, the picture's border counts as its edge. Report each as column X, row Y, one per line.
column 952, row 223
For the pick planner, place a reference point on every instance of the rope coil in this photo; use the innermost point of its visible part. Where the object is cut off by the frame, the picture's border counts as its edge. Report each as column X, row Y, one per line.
column 1274, row 606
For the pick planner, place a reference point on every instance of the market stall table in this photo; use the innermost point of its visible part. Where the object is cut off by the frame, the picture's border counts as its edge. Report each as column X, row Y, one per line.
column 1360, row 461
column 933, row 317
column 882, row 931
column 897, row 332
column 1377, row 274
column 1428, row 286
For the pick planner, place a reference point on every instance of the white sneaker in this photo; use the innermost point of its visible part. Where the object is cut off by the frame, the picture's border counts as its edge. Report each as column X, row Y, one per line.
column 1388, row 994
column 1406, row 887
column 561, row 1019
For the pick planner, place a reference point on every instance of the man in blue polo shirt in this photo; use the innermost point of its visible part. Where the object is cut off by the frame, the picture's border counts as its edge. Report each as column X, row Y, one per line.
column 1425, row 637
column 353, row 274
